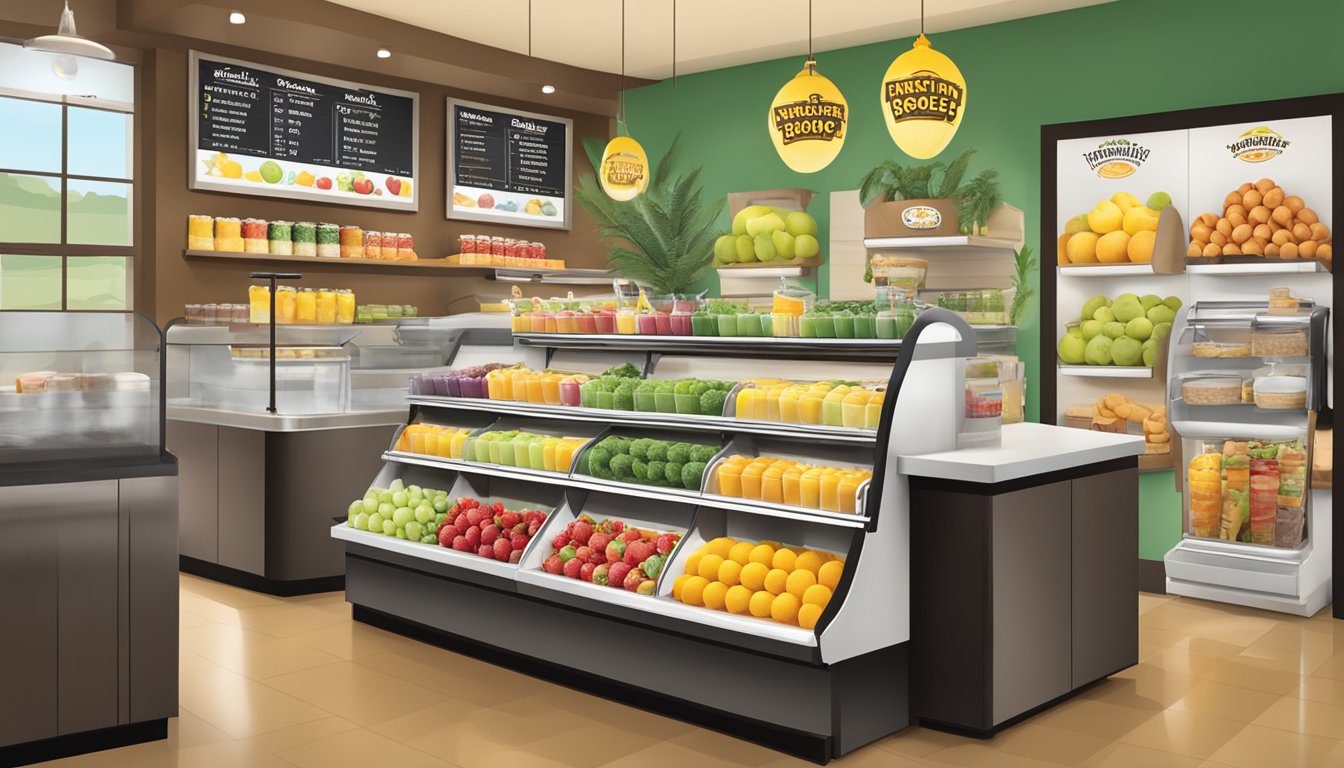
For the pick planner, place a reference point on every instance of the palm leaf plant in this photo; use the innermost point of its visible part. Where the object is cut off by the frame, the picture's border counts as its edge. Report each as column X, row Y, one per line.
column 976, row 200
column 1024, row 263
column 890, row 181
column 663, row 239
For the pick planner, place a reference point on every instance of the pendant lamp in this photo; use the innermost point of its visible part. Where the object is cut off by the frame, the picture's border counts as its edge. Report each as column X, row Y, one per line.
column 808, row 117
column 624, row 174
column 67, row 42
column 923, row 98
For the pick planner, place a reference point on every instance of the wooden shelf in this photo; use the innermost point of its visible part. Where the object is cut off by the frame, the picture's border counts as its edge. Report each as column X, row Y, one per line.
column 420, row 267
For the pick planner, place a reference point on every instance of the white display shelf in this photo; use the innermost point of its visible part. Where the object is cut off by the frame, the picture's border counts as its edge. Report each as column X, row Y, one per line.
column 1265, row 268
column 432, row 552
column 948, row 245
column 1106, row 371
column 735, row 346
column 629, row 489
column 1108, row 270
column 650, row 419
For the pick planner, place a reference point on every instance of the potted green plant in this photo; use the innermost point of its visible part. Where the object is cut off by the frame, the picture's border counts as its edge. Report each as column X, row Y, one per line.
column 1024, row 263
column 976, row 199
column 663, row 239
column 900, row 200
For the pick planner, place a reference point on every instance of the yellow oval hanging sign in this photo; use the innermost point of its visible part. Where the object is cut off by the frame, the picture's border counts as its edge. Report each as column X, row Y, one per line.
column 807, row 121
column 923, row 100
column 625, row 169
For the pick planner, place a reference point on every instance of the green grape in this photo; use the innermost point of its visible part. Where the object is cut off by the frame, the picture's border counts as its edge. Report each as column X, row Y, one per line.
column 413, row 531
column 375, row 523
column 396, row 485
column 429, row 540
column 386, row 509
column 372, row 493
column 441, row 505
column 402, row 516
column 384, row 497
column 414, row 490
column 400, row 498
column 355, row 508
column 390, row 529
column 361, row 522
column 370, row 505
column 424, row 513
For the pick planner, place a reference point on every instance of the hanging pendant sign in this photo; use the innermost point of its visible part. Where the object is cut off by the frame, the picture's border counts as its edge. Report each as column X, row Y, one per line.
column 807, row 121
column 923, row 100
column 624, row 174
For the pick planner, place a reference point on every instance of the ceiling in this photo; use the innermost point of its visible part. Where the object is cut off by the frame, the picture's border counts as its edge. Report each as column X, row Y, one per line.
column 710, row 33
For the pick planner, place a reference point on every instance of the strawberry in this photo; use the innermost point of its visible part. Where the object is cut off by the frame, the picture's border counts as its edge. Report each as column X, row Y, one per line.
column 665, row 543
column 460, row 544
column 518, row 542
column 536, row 516
column 630, row 534
column 632, row 579
column 599, row 541
column 486, row 551
column 489, row 533
column 446, row 534
column 502, row 549
column 601, row 574
column 533, row 527
column 474, row 516
column 597, row 557
column 473, row 536
column 520, row 528
column 515, row 556
column 584, row 553
column 583, row 531
column 586, row 571
column 560, row 540
column 615, row 551
column 553, row 564
column 462, row 521
column 616, row 574
column 637, row 552
column 573, row 567
column 499, row 507
column 508, row 519
column 617, row 527
column 646, row 587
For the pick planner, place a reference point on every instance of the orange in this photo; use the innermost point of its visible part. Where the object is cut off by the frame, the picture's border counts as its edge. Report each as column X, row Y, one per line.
column 776, row 581
column 693, row 591
column 784, row 609
column 678, row 584
column 784, row 559
column 741, row 552
column 760, row 604
column 810, row 561
column 753, row 576
column 799, row 581
column 817, row 595
column 693, row 562
column 722, row 546
column 709, row 567
column 829, row 574
column 713, row 595
column 730, row 573
column 737, row 599
column 763, row 554
column 808, row 615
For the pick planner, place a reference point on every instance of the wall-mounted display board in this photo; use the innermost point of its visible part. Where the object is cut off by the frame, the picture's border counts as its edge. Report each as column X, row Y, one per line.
column 258, row 130
column 509, row 167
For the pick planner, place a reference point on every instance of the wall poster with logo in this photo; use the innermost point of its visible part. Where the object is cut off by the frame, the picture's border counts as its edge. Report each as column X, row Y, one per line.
column 258, row 130
column 507, row 166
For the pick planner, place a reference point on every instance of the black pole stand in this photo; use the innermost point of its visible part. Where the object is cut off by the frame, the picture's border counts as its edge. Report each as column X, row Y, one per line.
column 272, row 277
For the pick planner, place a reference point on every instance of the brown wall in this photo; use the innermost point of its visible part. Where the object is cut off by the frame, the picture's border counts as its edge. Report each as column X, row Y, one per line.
column 173, row 280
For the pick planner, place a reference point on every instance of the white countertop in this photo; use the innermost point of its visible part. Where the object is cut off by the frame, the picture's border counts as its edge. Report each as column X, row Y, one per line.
column 1026, row 450
column 280, row 422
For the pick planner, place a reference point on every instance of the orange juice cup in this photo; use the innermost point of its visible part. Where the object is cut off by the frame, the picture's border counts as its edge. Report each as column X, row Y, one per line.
column 788, row 405
column 793, row 494
column 810, row 487
column 873, row 411
column 548, row 448
column 417, row 438
column 830, row 483
column 751, row 479
column 809, row 408
column 550, row 389
column 744, row 402
column 846, row 491
column 730, row 477
column 772, row 483
column 458, row 441
column 854, row 409
column 534, row 390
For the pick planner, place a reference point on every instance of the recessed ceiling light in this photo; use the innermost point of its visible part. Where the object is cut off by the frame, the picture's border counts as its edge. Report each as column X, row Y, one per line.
column 236, row 17
column 384, row 53
column 548, row 89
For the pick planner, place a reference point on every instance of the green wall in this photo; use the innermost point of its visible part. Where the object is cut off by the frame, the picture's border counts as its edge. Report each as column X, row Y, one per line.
column 1122, row 58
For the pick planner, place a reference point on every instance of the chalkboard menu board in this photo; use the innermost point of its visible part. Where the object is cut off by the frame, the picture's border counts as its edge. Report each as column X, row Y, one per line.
column 507, row 166
column 266, row 131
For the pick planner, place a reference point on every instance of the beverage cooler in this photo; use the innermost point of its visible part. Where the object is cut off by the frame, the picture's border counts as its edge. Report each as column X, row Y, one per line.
column 1248, row 384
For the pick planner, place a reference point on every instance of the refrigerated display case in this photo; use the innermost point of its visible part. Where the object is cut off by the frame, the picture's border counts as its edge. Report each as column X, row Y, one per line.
column 89, row 496
column 844, row 647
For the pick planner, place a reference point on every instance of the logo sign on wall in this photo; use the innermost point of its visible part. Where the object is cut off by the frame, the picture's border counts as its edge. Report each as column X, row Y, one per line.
column 1258, row 145
column 625, row 169
column 807, row 121
column 1116, row 158
column 923, row 100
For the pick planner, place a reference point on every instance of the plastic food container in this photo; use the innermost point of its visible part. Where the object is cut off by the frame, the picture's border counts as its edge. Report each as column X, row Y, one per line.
column 1281, row 392
column 1288, row 342
column 901, row 275
column 1212, row 390
column 1220, row 349
column 1281, row 302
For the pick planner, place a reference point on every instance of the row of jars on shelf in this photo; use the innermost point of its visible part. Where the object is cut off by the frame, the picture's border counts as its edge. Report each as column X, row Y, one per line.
column 887, row 324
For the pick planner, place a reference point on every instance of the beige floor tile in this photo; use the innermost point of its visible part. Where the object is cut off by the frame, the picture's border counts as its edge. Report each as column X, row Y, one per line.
column 1226, row 701
column 188, row 661
column 456, row 676
column 215, row 640
column 354, row 640
column 982, row 755
column 1148, row 601
column 1091, row 716
column 1152, row 640
column 357, row 693
column 186, row 619
column 1304, row 716
column 1320, row 689
column 1132, row 756
column 454, row 731
column 679, row 754
column 187, row 730
column 287, row 620
column 1184, row 660
column 298, row 735
column 241, row 707
column 870, row 757
column 737, row 752
column 1260, row 747
column 1245, row 672
column 276, row 657
column 601, row 744
column 1184, row 733
column 515, row 757
column 1333, row 668
column 359, row 749
column 1209, row 622
column 917, row 742
column 223, row 593
column 1142, row 687
column 1053, row 745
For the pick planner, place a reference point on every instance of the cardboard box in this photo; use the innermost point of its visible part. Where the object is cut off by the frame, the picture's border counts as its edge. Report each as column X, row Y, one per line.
column 911, row 218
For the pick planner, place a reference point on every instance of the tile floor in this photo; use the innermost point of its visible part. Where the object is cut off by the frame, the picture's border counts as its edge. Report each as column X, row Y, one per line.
column 275, row 683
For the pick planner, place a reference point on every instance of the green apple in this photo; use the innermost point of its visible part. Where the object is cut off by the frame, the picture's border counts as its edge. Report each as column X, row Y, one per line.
column 725, row 249
column 800, row 223
column 765, row 247
column 1113, row 330
column 1091, row 329
column 783, row 244
column 1072, row 347
column 746, row 250
column 750, row 212
column 1098, row 351
column 1091, row 306
column 764, row 225
column 1104, row 314
column 1127, row 351
column 806, row 246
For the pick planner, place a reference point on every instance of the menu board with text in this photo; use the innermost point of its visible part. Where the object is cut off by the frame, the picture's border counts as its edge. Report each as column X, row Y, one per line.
column 507, row 166
column 265, row 131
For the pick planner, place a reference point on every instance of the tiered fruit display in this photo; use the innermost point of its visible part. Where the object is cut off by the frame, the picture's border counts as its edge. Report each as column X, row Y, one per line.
column 785, row 481
column 433, row 440
column 1126, row 331
column 489, row 530
column 645, row 461
column 1251, row 492
column 1116, row 231
column 790, row 585
column 463, row 382
column 611, row 553
column 695, row 397
column 404, row 512
column 512, row 448
column 1260, row 220
column 765, row 234
column 830, row 403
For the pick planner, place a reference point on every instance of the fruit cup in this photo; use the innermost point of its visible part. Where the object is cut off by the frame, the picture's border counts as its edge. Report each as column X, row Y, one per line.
column 565, row 322
column 832, row 412
column 767, row 325
column 865, row 326
column 647, row 325
column 663, row 323
column 854, row 409
column 665, row 402
column 727, row 325
column 748, row 324
column 687, row 404
column 569, row 391
column 625, row 322
column 809, row 486
column 564, row 453
column 550, row 389
column 772, row 483
column 830, row 483
column 587, row 322
column 646, row 400
column 704, row 325
column 681, row 325
column 605, row 400
column 791, row 485
column 873, row 410
column 605, row 322
column 844, row 325
column 810, row 407
column 846, row 492
column 548, row 450
column 751, row 478
column 730, row 476
column 788, row 404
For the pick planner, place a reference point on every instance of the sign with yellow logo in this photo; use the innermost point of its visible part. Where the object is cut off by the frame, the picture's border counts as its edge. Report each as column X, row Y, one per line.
column 1116, row 158
column 1258, row 145
column 624, row 174
column 807, row 121
column 923, row 100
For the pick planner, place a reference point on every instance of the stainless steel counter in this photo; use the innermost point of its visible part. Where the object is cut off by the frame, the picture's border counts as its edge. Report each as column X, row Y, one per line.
column 282, row 422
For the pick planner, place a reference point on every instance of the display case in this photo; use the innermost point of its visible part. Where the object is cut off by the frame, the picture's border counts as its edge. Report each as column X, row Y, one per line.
column 1248, row 385
column 78, row 388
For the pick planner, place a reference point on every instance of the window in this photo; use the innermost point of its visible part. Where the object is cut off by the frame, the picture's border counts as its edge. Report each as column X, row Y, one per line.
column 66, row 204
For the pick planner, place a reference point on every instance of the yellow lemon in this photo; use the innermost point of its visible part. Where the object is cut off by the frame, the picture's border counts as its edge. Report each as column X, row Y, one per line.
column 709, row 567
column 808, row 561
column 1140, row 247
column 760, row 604
column 784, row 559
column 730, row 572
column 1113, row 247
column 1082, row 248
column 808, row 615
column 776, row 581
column 1105, row 217
column 817, row 594
column 741, row 552
column 693, row 562
column 232, row 170
column 763, row 554
column 1140, row 218
column 693, row 591
column 829, row 575
column 713, row 595
column 249, row 176
column 753, row 576
column 798, row 582
column 680, row 583
column 784, row 609
column 737, row 599
column 722, row 546
column 1126, row 200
